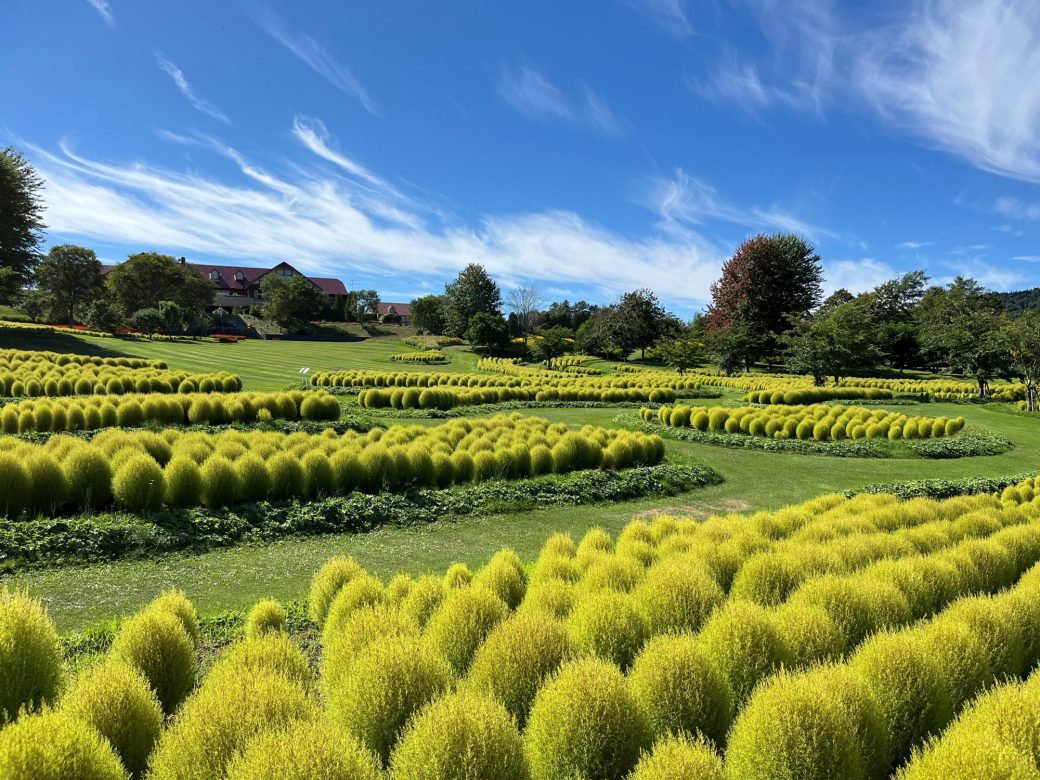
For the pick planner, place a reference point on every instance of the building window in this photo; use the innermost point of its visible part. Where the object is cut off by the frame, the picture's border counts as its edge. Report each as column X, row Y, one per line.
column 240, row 276
column 214, row 275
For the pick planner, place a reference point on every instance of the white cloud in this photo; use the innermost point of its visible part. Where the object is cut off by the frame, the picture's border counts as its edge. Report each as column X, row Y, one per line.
column 532, row 94
column 856, row 276
column 669, row 14
column 317, row 58
column 330, row 215
column 683, row 200
column 188, row 91
column 104, row 9
column 796, row 70
column 989, row 275
column 1017, row 209
column 914, row 244
column 1028, row 258
column 961, row 75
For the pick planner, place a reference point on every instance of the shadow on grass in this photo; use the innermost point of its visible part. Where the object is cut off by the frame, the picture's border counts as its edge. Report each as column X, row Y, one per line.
column 59, row 342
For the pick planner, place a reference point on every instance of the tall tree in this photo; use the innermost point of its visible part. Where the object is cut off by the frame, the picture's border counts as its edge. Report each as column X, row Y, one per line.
column 553, row 342
column 487, row 330
column 892, row 308
column 1021, row 337
column 525, row 303
column 600, row 334
column 428, row 314
column 838, row 339
column 770, row 282
column 681, row 352
column 146, row 278
column 291, row 302
column 733, row 347
column 361, row 306
column 21, row 223
column 71, row 276
column 961, row 327
column 473, row 292
column 642, row 320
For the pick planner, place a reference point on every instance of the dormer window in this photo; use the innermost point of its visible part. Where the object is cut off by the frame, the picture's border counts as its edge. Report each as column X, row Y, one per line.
column 239, row 276
column 214, row 276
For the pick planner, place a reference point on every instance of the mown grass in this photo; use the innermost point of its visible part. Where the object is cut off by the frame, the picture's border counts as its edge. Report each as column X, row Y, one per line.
column 235, row 578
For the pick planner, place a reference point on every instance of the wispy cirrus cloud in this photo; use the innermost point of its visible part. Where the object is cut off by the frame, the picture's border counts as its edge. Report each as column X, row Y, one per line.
column 669, row 14
column 683, row 200
column 797, row 70
column 186, row 89
column 104, row 10
column 331, row 215
column 959, row 75
column 316, row 57
column 534, row 96
column 913, row 244
column 1016, row 208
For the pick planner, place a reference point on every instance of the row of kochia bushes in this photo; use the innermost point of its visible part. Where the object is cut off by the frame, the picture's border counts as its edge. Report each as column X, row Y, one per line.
column 448, row 397
column 94, row 412
column 141, row 470
column 939, row 389
column 423, row 356
column 75, row 380
column 821, row 422
column 814, row 395
column 33, row 360
column 828, row 639
column 529, row 379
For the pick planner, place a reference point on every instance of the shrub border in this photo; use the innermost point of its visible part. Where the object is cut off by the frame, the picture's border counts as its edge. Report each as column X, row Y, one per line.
column 117, row 535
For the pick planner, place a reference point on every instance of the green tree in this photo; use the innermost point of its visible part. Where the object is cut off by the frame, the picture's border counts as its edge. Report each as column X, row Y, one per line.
column 525, row 303
column 770, row 282
column 292, row 302
column 552, row 343
column 147, row 320
column 733, row 348
column 641, row 319
column 72, row 277
column 473, row 292
column 961, row 327
column 146, row 278
column 21, row 223
column 1021, row 338
column 361, row 306
column 487, row 330
column 893, row 304
column 427, row 314
column 681, row 352
column 601, row 334
column 835, row 341
column 35, row 304
column 104, row 314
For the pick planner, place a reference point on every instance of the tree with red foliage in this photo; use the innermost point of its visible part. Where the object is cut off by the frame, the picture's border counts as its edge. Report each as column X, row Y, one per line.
column 768, row 283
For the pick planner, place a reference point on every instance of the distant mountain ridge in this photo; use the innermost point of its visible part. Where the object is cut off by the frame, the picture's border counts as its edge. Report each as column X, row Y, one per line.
column 1020, row 300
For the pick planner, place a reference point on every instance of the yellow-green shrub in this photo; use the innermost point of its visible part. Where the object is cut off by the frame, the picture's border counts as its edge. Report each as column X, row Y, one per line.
column 460, row 624
column 155, row 643
column 265, row 617
column 30, row 655
column 56, row 746
column 304, row 750
column 675, row 757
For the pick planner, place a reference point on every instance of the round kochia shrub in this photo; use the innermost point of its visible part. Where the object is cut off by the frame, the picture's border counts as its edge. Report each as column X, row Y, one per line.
column 461, row 623
column 115, row 699
column 304, row 750
column 908, row 686
column 585, row 723
column 219, row 482
column 676, row 757
column 608, row 625
column 176, row 603
column 461, row 736
column 88, row 477
column 265, row 617
column 156, row 644
column 326, row 584
column 677, row 598
column 505, row 577
column 423, row 598
column 56, row 746
column 743, row 642
column 680, row 689
column 183, row 482
column 30, row 655
column 221, row 718
column 814, row 726
column 373, row 695
column 138, row 484
column 15, row 488
column 516, row 658
column 268, row 654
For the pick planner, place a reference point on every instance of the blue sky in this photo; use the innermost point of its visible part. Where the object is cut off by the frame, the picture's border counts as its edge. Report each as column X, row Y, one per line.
column 592, row 146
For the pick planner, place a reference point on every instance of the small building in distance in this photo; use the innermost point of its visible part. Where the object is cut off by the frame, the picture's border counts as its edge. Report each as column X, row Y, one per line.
column 390, row 312
column 239, row 285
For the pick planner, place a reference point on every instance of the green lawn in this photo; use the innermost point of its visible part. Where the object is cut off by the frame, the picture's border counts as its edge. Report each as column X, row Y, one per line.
column 237, row 577
column 263, row 365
